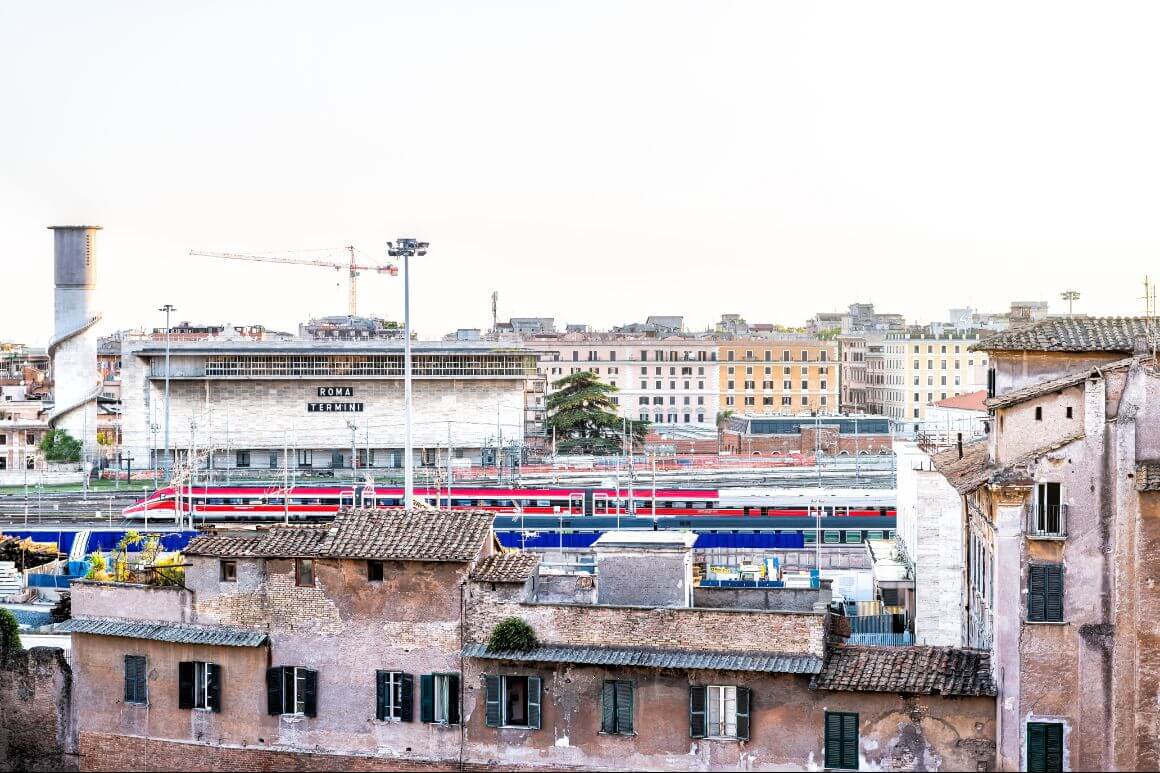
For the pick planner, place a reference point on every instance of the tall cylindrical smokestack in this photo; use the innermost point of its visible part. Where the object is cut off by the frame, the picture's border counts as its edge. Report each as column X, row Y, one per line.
column 73, row 349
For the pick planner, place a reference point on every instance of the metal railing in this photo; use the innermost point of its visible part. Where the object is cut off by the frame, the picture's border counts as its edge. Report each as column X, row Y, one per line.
column 1047, row 522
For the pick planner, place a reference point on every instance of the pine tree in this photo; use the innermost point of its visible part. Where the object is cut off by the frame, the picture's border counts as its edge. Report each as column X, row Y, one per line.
column 583, row 415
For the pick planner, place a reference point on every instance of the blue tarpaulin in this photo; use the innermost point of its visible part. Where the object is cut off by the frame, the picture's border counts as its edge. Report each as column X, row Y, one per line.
column 513, row 539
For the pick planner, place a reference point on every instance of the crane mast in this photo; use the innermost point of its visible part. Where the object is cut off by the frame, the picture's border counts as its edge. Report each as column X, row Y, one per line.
column 353, row 268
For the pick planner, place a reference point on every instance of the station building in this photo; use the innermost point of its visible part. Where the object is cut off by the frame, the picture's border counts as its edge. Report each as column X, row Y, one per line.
column 313, row 405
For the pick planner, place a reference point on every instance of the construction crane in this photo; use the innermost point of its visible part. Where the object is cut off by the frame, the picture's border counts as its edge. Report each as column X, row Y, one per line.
column 352, row 267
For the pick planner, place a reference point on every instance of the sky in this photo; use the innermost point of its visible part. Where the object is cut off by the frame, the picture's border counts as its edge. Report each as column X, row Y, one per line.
column 595, row 162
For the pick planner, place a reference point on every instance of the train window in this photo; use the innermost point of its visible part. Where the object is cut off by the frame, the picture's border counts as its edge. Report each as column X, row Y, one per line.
column 275, row 500
column 667, row 503
column 882, row 511
column 642, row 504
column 462, row 502
column 890, row 534
column 853, row 537
column 215, row 501
column 503, row 503
column 810, row 537
column 543, row 503
column 831, row 537
column 873, row 535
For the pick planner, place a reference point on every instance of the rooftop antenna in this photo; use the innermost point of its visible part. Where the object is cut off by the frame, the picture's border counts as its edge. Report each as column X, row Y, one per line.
column 494, row 314
column 1150, row 313
column 1070, row 296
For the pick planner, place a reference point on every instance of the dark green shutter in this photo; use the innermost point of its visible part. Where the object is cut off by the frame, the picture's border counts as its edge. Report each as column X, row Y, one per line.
column 491, row 690
column 1053, row 593
column 453, row 699
column 744, row 698
column 535, row 688
column 697, row 712
column 135, row 679
column 1053, row 744
column 427, row 698
column 213, row 676
column 624, row 708
column 274, row 690
column 382, row 693
column 310, row 698
column 185, row 685
column 1036, row 748
column 850, row 741
column 833, row 740
column 407, row 698
column 1036, row 593
column 608, row 707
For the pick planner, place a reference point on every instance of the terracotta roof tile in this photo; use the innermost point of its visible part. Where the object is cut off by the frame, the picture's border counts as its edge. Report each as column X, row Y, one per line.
column 1054, row 385
column 969, row 472
column 224, row 544
column 914, row 670
column 969, row 401
column 506, row 567
column 1070, row 334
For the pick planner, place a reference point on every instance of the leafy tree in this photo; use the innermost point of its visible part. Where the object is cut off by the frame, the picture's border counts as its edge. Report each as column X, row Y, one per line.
column 9, row 632
column 584, row 417
column 723, row 419
column 512, row 635
column 58, row 445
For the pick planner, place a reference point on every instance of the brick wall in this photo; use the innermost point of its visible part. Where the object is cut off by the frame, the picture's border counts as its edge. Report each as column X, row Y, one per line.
column 716, row 630
column 36, row 731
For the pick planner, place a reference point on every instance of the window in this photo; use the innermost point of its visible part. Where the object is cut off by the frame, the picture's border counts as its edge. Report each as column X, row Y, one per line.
column 1039, row 413
column 243, row 459
column 3, row 440
column 1069, row 411
column 512, row 701
column 228, row 570
column 394, row 696
column 1045, row 593
column 135, row 675
column 292, row 690
column 1048, row 509
column 199, row 686
column 304, row 572
column 336, row 459
column 305, row 457
column 616, row 707
column 1044, row 747
column 841, row 740
column 439, row 699
column 719, row 711
column 30, row 439
column 273, row 460
column 374, row 571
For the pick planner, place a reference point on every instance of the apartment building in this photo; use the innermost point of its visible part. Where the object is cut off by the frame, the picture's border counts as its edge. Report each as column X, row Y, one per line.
column 1060, row 548
column 788, row 375
column 923, row 365
column 667, row 381
column 365, row 645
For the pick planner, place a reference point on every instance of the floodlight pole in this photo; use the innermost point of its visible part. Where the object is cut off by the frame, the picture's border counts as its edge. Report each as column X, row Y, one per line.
column 405, row 249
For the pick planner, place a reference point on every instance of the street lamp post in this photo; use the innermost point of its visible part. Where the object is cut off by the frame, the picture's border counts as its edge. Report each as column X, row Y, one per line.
column 168, row 309
column 406, row 249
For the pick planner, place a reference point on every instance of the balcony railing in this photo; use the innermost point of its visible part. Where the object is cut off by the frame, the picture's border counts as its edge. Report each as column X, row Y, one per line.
column 1047, row 522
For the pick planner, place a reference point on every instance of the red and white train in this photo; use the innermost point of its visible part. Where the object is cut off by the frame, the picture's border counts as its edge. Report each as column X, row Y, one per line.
column 267, row 502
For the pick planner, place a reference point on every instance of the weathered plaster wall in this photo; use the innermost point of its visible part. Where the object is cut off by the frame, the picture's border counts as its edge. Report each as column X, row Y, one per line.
column 774, row 599
column 922, row 733
column 36, row 728
column 147, row 602
column 1021, row 433
column 1014, row 370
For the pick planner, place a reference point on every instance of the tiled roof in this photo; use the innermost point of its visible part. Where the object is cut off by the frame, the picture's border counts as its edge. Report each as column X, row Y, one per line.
column 178, row 633
column 914, row 670
column 506, row 567
column 1148, row 476
column 773, row 663
column 968, row 473
column 392, row 535
column 1069, row 334
column 380, row 535
column 969, row 401
column 1053, row 385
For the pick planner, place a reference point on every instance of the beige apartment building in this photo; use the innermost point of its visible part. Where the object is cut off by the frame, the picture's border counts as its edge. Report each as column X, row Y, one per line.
column 763, row 375
column 923, row 367
column 667, row 381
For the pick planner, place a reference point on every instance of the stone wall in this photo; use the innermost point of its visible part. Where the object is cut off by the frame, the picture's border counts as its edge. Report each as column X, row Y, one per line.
column 643, row 577
column 774, row 599
column 36, row 729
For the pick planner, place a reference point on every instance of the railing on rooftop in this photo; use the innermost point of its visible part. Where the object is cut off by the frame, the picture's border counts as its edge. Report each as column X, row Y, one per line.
column 1047, row 521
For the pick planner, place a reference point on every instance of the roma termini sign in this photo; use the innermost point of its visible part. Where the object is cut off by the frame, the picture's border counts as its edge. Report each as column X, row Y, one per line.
column 334, row 391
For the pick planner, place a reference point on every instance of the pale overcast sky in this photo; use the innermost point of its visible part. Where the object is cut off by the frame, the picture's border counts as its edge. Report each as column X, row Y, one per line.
column 591, row 161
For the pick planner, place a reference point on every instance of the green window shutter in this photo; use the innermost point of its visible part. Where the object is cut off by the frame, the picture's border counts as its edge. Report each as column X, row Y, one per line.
column 850, row 741
column 744, row 698
column 453, row 699
column 697, row 712
column 214, row 686
column 833, row 740
column 1036, row 593
column 535, row 688
column 185, row 685
column 407, row 698
column 1053, row 593
column 382, row 694
column 1036, row 747
column 427, row 698
column 624, row 708
column 608, row 707
column 135, row 679
column 1053, row 747
column 310, row 707
column 491, row 690
column 274, row 690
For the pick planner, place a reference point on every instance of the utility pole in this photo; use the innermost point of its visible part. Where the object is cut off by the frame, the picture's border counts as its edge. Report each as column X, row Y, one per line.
column 353, row 462
column 168, row 309
column 406, row 249
column 1070, row 296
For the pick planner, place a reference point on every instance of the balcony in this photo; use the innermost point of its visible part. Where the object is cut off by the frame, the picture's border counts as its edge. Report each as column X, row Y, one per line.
column 1047, row 522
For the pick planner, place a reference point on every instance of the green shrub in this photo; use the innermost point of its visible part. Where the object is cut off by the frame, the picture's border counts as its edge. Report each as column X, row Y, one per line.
column 512, row 635
column 9, row 632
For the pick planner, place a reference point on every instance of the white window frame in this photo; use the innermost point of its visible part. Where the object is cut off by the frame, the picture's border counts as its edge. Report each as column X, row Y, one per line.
column 721, row 711
column 201, row 685
column 295, row 698
column 441, row 687
column 394, row 690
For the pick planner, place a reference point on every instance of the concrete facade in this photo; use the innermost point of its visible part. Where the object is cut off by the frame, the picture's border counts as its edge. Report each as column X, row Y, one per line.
column 763, row 375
